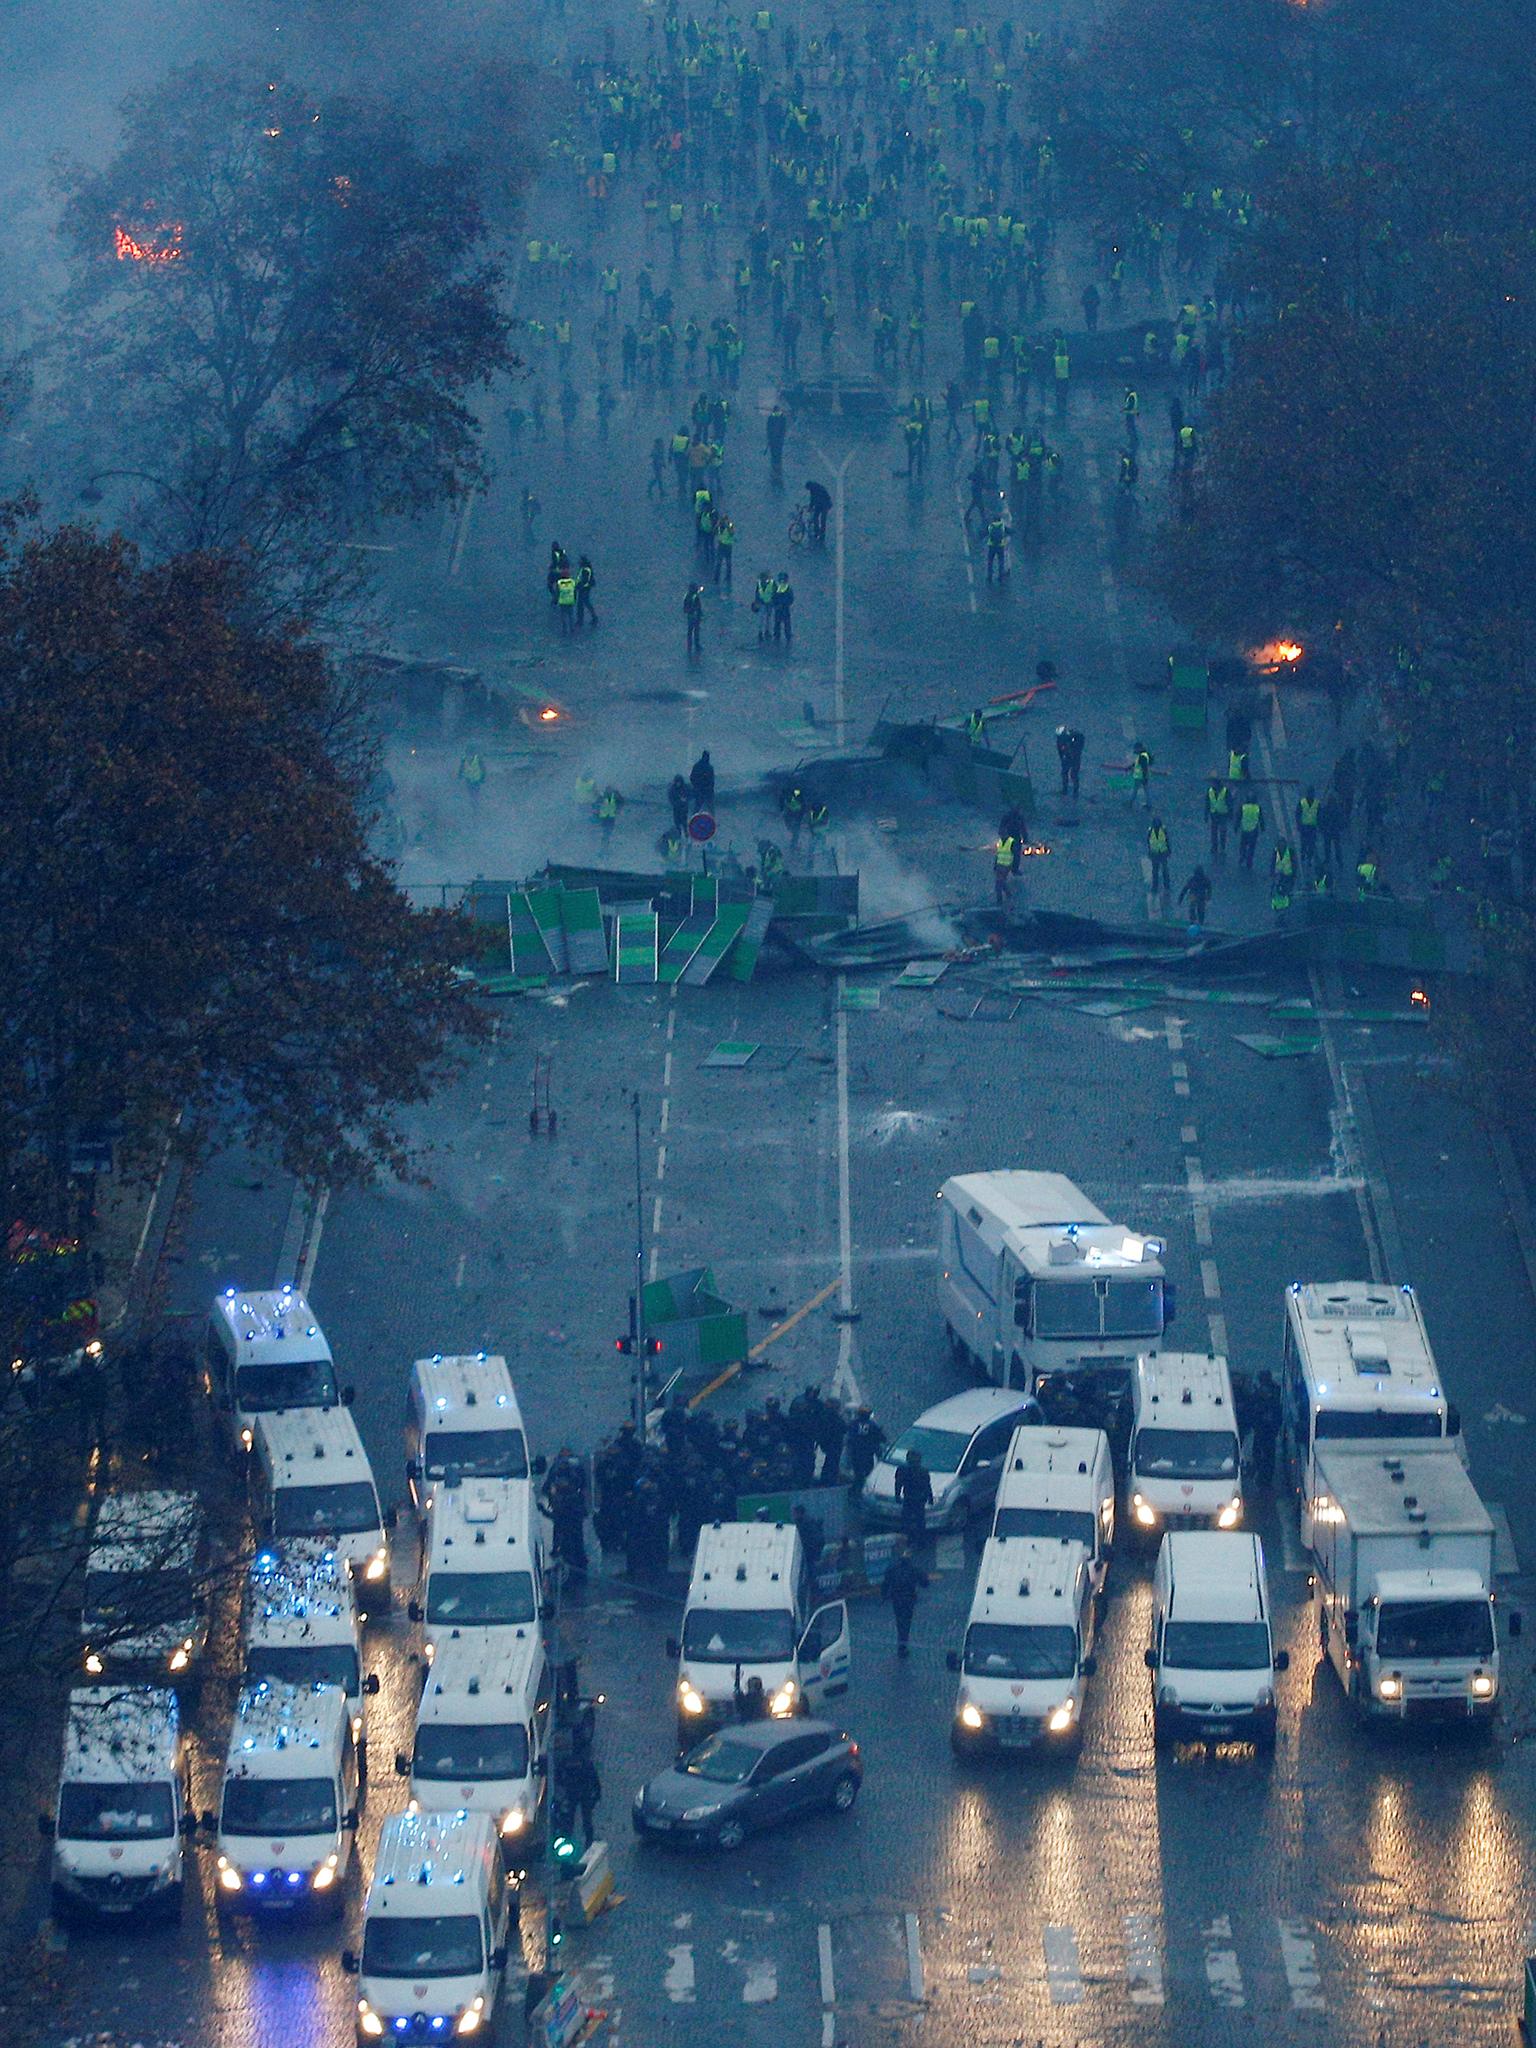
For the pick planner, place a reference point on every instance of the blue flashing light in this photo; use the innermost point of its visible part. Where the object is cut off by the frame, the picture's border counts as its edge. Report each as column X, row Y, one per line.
column 402, row 2023
column 266, row 1560
column 229, row 1294
column 295, row 1877
column 501, row 1400
column 481, row 1356
column 437, row 1358
column 258, row 1877
column 438, row 2023
column 441, row 1401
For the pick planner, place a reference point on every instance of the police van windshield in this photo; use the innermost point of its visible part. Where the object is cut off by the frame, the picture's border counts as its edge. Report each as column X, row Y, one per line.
column 738, row 1635
column 996, row 1649
column 279, row 1806
column 477, row 1453
column 1067, row 1524
column 412, row 1946
column 1186, row 1454
column 1378, row 1422
column 1132, row 1307
column 141, row 1598
column 1435, row 1628
column 290, row 1383
column 484, row 1750
column 1216, row 1646
column 305, row 1664
column 318, row 1510
column 479, row 1599
column 114, row 1813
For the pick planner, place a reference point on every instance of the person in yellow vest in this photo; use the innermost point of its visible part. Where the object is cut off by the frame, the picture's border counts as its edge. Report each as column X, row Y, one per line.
column 1282, row 876
column 1250, row 822
column 1237, row 764
column 1367, row 876
column 1218, row 813
column 1308, row 816
column 1002, row 867
column 1157, row 853
column 607, row 812
column 472, row 771
column 1141, row 773
column 565, row 602
column 976, row 727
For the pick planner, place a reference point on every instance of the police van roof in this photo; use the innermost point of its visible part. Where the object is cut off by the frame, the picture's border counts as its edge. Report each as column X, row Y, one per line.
column 121, row 1735
column 481, row 1525
column 312, row 1447
column 422, row 1857
column 271, row 1326
column 283, row 1730
column 742, row 1564
column 1365, row 1342
column 481, row 1675
column 1215, row 1575
column 1049, row 1223
column 467, row 1390
column 1028, row 1579
column 158, row 1528
column 1054, row 1449
column 1183, row 1390
column 300, row 1594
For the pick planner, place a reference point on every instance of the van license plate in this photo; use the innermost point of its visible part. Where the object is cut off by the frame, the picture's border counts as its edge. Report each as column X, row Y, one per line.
column 1015, row 1734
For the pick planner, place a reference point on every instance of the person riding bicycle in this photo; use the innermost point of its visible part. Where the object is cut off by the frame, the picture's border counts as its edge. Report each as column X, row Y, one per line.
column 820, row 506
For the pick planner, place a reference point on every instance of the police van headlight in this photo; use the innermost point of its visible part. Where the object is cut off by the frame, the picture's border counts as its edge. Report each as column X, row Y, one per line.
column 1482, row 1685
column 470, row 2017
column 246, row 1439
column 376, row 1567
column 325, row 1876
column 181, row 1656
column 93, row 1663
column 1231, row 1514
column 972, row 1717
column 1059, row 1719
column 1144, row 1511
column 1264, row 1699
column 1167, row 1696
column 783, row 1702
column 688, row 1698
column 1390, row 1687
column 513, row 1821
column 368, row 2021
column 230, row 1879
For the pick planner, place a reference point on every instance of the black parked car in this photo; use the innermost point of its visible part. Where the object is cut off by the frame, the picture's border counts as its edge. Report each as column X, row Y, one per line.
column 748, row 1777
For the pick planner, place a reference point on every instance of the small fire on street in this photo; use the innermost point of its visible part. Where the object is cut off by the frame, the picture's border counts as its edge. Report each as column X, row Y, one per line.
column 156, row 250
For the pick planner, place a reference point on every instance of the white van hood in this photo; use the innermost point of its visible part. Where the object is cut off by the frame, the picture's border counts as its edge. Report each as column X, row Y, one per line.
column 1027, row 1699
column 283, row 1852
column 142, row 1857
column 717, row 1682
column 392, row 1996
column 1216, row 1688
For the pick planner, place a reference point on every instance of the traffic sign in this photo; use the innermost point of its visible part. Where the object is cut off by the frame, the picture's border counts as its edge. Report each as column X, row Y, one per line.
column 701, row 826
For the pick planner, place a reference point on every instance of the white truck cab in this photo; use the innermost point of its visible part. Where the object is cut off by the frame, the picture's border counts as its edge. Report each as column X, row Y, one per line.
column 145, row 1610
column 1357, row 1370
column 435, row 1928
column 1058, row 1483
column 312, row 1480
column 1212, row 1656
column 484, row 1560
column 1028, row 1649
column 266, row 1352
column 462, row 1416
column 481, row 1730
column 122, row 1814
column 1184, row 1464
column 302, row 1628
column 748, row 1624
column 1035, row 1279
column 287, row 1820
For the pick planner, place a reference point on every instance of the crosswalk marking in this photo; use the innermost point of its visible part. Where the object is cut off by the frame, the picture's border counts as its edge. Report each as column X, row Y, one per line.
column 1063, row 1970
column 1298, row 1952
column 1223, row 1974
column 1143, row 1959
column 762, row 1981
column 679, row 1977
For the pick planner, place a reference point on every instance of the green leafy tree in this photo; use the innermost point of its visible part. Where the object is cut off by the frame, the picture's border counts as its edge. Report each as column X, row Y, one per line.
column 280, row 308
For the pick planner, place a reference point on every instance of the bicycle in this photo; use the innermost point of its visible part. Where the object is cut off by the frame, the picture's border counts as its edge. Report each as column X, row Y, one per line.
column 799, row 527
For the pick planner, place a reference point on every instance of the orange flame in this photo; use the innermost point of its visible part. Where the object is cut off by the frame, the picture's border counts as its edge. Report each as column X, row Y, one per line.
column 161, row 248
column 1275, row 655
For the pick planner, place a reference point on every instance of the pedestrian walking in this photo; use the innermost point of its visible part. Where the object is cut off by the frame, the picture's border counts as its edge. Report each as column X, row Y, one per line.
column 1197, row 893
column 866, row 1440
column 586, row 578
column 583, row 1788
column 1309, row 809
column 1069, row 753
column 900, row 1587
column 564, row 1499
column 701, row 780
column 1218, row 815
column 1250, row 822
column 1141, row 773
column 914, row 1493
column 1003, row 851
column 1157, row 853
column 680, row 797
column 693, row 612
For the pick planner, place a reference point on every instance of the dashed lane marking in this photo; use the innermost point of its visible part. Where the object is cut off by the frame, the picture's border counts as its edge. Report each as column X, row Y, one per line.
column 1063, row 1969
column 679, row 1978
column 1298, row 1952
column 1202, row 1217
column 1194, row 1173
column 915, row 1989
column 1218, row 1325
column 1210, row 1279
column 1223, row 1972
column 1143, row 1959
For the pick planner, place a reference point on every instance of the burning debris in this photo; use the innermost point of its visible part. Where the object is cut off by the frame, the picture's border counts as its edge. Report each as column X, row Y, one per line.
column 157, row 249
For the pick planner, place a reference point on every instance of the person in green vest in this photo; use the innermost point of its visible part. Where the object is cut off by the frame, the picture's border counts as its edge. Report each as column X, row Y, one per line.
column 1308, row 816
column 1002, row 867
column 1157, row 853
column 565, row 601
column 725, row 549
column 472, row 771
column 1218, row 812
column 976, row 726
column 607, row 812
column 1367, row 876
column 1141, row 773
column 1250, row 822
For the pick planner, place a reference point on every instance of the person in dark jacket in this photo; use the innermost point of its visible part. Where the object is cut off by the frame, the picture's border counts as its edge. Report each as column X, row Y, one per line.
column 914, row 1490
column 900, row 1586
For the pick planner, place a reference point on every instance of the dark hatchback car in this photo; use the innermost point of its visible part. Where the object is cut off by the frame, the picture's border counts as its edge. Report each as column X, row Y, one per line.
column 748, row 1777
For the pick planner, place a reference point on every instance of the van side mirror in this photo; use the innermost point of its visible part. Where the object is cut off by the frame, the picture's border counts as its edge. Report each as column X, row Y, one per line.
column 952, row 1660
column 349, row 1961
column 402, row 1764
column 413, row 1468
column 1452, row 1420
column 1170, row 1302
column 1282, row 1660
column 189, row 1823
column 208, row 1822
column 540, row 1466
column 1516, row 1623
column 371, row 1685
column 674, row 1647
column 539, row 1768
column 348, row 1396
column 499, row 1957
column 415, row 1610
column 349, row 1818
column 45, row 1824
column 1021, row 1303
column 1088, row 1666
column 1149, row 1658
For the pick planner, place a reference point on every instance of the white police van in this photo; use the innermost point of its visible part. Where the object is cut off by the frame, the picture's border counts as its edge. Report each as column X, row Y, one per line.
column 265, row 1352
column 122, row 1814
column 287, row 1821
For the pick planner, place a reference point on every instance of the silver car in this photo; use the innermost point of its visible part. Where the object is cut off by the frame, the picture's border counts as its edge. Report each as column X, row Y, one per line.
column 962, row 1443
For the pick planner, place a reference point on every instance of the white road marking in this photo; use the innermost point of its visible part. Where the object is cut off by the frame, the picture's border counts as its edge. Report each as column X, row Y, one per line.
column 661, row 1162
column 1202, row 1223
column 914, row 1959
column 458, row 1271
column 1188, row 1135
column 1063, row 1971
column 762, row 1981
column 1218, row 1325
column 1175, row 1034
column 656, row 1217
column 1210, row 1279
column 828, row 1985
column 1194, row 1173
column 1298, row 1952
column 845, row 1383
column 1143, row 1959
column 679, row 1977
column 1223, row 1974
